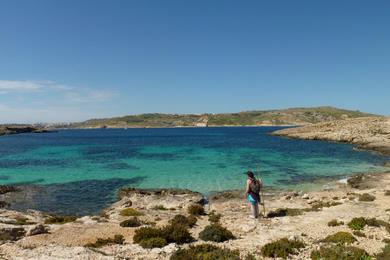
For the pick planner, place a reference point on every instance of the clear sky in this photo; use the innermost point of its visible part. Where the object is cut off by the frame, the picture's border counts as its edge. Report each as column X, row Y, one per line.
column 73, row 60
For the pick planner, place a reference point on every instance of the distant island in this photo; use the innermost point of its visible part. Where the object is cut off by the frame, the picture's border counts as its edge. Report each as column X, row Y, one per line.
column 290, row 116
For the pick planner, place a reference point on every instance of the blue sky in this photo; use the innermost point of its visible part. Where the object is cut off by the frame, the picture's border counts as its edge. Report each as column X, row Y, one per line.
column 74, row 60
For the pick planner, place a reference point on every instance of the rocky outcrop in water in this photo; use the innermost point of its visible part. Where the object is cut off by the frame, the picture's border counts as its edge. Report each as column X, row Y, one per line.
column 371, row 133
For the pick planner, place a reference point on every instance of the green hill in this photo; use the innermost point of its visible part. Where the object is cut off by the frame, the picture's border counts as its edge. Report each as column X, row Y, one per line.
column 291, row 116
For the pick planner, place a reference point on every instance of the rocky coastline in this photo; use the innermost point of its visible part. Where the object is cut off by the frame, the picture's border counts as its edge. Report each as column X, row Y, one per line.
column 369, row 133
column 171, row 224
column 12, row 130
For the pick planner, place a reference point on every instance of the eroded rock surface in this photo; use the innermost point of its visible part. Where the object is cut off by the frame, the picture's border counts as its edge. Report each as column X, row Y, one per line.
column 372, row 133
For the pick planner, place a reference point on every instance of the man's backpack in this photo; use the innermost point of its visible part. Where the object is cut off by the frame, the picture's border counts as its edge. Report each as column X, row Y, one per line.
column 255, row 186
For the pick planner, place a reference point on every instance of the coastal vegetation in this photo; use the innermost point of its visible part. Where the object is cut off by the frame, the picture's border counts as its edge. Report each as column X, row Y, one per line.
column 132, row 222
column 205, row 252
column 282, row 248
column 334, row 223
column 196, row 209
column 340, row 238
column 117, row 239
column 56, row 219
column 339, row 252
column 216, row 233
column 149, row 237
column 130, row 212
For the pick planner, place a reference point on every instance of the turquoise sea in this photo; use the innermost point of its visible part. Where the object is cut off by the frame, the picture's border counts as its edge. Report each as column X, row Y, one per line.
column 79, row 171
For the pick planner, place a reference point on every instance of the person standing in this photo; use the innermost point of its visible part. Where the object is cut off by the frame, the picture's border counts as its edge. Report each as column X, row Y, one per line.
column 252, row 193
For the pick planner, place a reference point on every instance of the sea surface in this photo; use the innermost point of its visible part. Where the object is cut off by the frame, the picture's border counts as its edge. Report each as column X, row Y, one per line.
column 79, row 171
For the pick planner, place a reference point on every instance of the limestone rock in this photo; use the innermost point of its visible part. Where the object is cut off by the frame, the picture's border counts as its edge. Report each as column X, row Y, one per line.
column 37, row 230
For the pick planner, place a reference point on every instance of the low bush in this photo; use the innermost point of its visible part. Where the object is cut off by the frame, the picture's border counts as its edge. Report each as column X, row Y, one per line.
column 196, row 209
column 117, row 239
column 385, row 254
column 334, row 223
column 282, row 248
column 153, row 242
column 373, row 222
column 317, row 206
column 170, row 234
column 145, row 233
column 387, row 193
column 159, row 207
column 283, row 212
column 177, row 234
column 340, row 238
column 132, row 222
column 357, row 223
column 216, row 233
column 366, row 197
column 359, row 233
column 336, row 252
column 130, row 212
column 55, row 219
column 179, row 219
column 205, row 252
column 214, row 217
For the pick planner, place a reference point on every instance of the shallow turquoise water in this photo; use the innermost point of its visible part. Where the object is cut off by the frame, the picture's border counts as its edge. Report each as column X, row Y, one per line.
column 73, row 165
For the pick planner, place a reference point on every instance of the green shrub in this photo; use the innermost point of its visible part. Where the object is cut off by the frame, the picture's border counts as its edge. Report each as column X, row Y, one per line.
column 153, row 242
column 281, row 248
column 55, row 219
column 170, row 234
column 366, row 197
column 132, row 222
column 339, row 252
column 179, row 219
column 357, row 223
column 144, row 233
column 177, row 234
column 130, row 212
column 334, row 223
column 159, row 207
column 340, row 238
column 216, row 233
column 118, row 239
column 359, row 233
column 205, row 252
column 214, row 217
column 196, row 209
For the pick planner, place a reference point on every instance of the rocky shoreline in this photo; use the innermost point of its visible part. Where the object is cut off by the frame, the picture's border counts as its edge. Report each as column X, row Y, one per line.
column 304, row 220
column 369, row 133
column 12, row 130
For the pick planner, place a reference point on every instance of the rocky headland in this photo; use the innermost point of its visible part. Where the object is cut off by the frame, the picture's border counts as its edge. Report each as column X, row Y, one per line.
column 20, row 129
column 343, row 219
column 370, row 133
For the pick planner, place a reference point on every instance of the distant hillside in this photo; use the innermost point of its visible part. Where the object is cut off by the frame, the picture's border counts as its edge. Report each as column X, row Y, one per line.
column 291, row 116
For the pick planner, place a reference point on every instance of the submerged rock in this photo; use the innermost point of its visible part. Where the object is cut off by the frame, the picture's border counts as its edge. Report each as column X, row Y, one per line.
column 7, row 188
